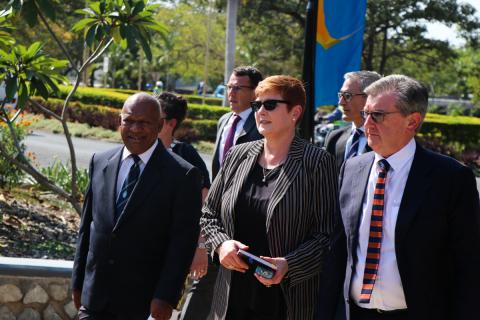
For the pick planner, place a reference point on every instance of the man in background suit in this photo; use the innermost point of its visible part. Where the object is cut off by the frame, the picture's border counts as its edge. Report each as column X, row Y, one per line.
column 139, row 225
column 237, row 126
column 408, row 241
column 350, row 141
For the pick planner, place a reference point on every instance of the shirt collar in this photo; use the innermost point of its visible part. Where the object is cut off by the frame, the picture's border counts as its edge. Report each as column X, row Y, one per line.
column 401, row 157
column 355, row 127
column 245, row 113
column 144, row 156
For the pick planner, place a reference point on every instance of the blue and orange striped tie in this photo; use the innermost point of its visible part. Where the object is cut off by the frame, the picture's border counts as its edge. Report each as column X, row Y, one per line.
column 375, row 239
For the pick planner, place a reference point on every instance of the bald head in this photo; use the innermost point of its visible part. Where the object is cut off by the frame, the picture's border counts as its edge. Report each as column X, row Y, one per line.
column 140, row 122
column 142, row 101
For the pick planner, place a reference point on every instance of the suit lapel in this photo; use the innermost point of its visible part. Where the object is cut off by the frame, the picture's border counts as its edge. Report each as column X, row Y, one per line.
column 416, row 186
column 356, row 185
column 247, row 126
column 342, row 144
column 110, row 173
column 150, row 177
column 287, row 175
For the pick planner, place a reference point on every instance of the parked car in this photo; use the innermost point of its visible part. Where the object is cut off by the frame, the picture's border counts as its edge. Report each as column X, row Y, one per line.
column 219, row 91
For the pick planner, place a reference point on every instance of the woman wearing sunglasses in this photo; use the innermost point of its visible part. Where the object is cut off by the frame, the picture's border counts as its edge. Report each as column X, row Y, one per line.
column 275, row 199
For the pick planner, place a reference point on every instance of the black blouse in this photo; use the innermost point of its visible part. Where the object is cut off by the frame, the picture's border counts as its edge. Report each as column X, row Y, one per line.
column 249, row 298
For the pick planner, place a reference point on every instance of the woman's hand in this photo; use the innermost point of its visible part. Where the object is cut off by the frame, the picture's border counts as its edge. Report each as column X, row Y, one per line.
column 227, row 253
column 282, row 269
column 199, row 265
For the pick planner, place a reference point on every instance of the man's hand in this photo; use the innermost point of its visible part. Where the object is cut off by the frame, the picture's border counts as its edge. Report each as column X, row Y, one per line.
column 76, row 297
column 199, row 265
column 227, row 254
column 160, row 310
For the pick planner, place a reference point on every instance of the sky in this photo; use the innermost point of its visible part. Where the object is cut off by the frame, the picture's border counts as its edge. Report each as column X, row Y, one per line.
column 442, row 32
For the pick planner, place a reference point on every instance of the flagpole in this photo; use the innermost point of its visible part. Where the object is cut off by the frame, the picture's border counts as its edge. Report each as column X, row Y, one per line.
column 306, row 126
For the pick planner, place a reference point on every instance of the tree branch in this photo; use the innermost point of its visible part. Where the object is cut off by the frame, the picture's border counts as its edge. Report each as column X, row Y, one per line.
column 60, row 44
column 44, row 110
column 40, row 178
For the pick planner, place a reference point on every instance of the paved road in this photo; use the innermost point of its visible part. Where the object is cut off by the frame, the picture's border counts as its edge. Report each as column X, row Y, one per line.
column 48, row 147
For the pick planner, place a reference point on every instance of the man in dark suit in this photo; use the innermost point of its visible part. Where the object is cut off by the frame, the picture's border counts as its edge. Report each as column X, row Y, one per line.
column 139, row 225
column 350, row 141
column 408, row 240
column 237, row 126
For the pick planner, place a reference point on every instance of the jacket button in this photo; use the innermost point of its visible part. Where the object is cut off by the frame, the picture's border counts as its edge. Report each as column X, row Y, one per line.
column 114, row 236
column 111, row 261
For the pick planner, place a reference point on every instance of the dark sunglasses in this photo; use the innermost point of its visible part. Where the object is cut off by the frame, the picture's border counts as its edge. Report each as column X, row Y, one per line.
column 377, row 116
column 348, row 95
column 269, row 105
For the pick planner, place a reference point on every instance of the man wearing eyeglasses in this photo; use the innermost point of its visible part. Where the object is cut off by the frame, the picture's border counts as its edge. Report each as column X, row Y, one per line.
column 407, row 245
column 237, row 126
column 349, row 141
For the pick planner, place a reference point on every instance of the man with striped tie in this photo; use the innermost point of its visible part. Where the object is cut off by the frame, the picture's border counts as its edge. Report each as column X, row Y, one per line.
column 349, row 141
column 408, row 240
column 139, row 225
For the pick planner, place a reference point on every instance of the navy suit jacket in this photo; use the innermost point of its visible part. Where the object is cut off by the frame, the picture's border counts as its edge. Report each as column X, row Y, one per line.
column 147, row 253
column 248, row 133
column 437, row 239
column 336, row 143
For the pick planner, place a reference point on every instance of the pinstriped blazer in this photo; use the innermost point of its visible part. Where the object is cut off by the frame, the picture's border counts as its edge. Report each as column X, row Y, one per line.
column 299, row 219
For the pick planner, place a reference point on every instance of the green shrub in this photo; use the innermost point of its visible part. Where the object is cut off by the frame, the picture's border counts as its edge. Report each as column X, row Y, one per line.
column 107, row 117
column 197, row 111
column 95, row 96
column 115, row 98
column 456, row 136
column 475, row 111
column 199, row 100
column 61, row 175
column 434, row 108
column 193, row 130
column 11, row 175
column 96, row 116
column 456, row 109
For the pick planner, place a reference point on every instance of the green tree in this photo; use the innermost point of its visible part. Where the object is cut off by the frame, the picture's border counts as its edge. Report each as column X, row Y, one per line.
column 182, row 51
column 396, row 31
column 29, row 71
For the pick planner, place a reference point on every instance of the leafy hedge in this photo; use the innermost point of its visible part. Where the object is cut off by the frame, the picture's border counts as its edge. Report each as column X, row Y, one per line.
column 116, row 97
column 456, row 136
column 108, row 118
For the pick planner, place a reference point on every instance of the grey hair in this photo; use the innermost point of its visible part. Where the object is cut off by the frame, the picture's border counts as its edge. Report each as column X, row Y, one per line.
column 411, row 95
column 363, row 78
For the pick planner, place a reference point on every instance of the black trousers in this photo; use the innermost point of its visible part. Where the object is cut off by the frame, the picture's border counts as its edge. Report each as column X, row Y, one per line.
column 86, row 314
column 358, row 313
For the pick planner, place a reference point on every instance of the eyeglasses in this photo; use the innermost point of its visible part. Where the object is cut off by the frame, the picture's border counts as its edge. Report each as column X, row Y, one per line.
column 237, row 88
column 348, row 95
column 377, row 116
column 269, row 105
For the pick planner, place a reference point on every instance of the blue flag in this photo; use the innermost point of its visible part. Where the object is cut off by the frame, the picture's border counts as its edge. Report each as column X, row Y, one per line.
column 338, row 49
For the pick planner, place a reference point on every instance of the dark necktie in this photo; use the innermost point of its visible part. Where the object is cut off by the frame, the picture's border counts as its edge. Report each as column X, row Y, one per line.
column 375, row 238
column 231, row 135
column 128, row 185
column 355, row 144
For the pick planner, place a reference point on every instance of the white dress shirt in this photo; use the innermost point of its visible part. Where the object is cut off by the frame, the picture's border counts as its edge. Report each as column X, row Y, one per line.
column 243, row 117
column 127, row 162
column 388, row 290
column 362, row 142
